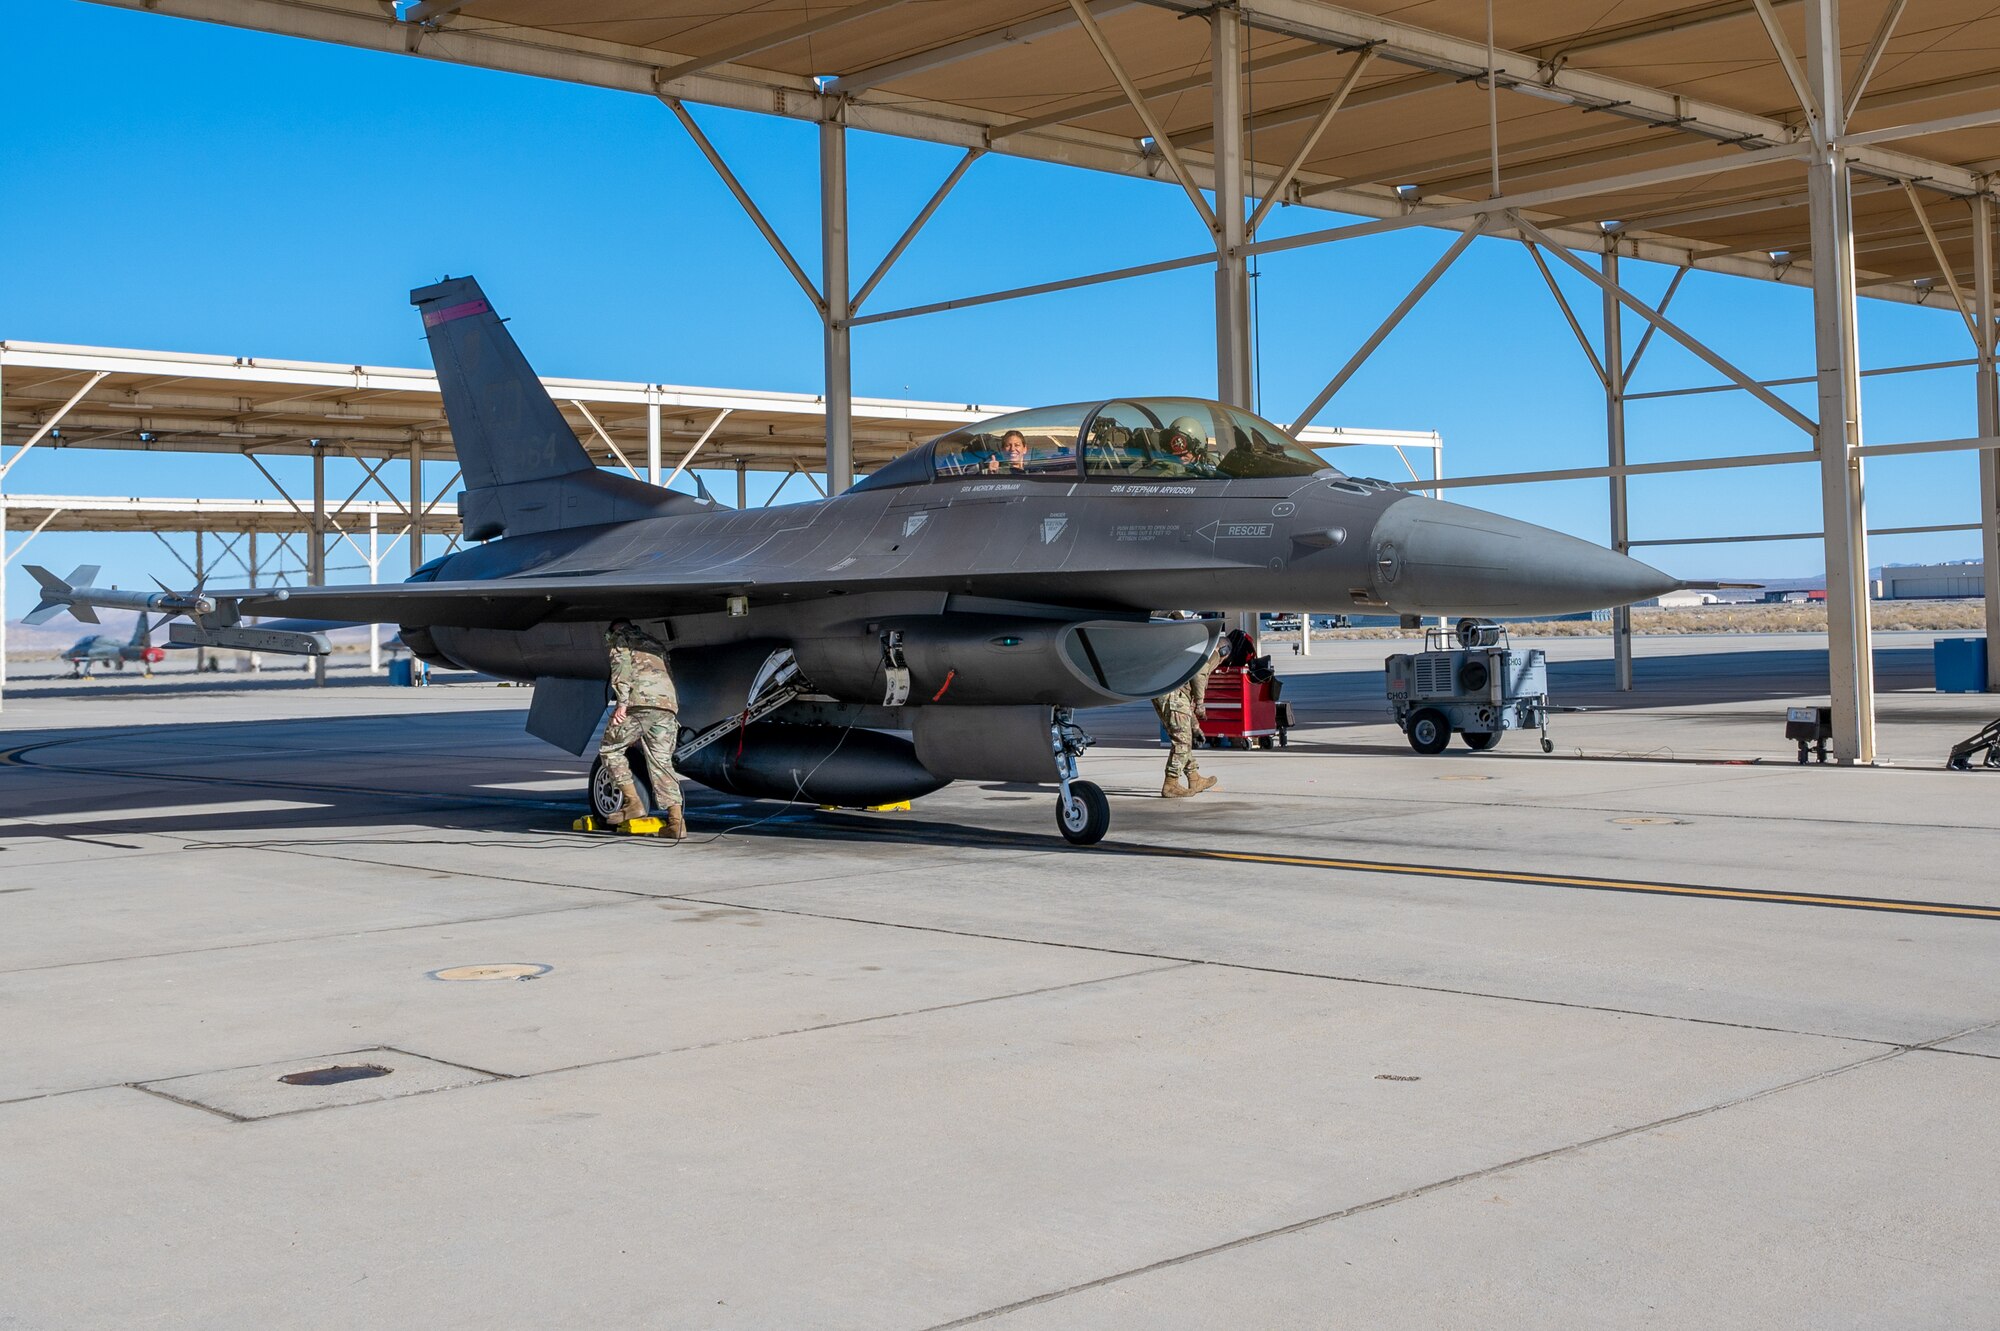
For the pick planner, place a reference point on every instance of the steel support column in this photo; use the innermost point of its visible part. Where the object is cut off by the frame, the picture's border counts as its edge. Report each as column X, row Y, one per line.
column 834, row 297
column 3, row 563
column 1988, row 383
column 1614, row 448
column 1232, row 281
column 652, row 443
column 201, row 580
column 1850, row 666
column 3, row 601
column 742, row 483
column 374, row 576
column 416, row 508
column 316, row 566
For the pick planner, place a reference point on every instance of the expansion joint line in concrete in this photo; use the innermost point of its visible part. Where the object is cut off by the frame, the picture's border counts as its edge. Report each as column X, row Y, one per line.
column 1329, row 976
column 1313, row 1222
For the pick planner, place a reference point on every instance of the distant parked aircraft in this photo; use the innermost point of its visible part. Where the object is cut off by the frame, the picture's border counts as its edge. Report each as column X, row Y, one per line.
column 102, row 648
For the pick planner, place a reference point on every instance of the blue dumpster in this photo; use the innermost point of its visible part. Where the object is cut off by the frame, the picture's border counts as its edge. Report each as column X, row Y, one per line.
column 1960, row 665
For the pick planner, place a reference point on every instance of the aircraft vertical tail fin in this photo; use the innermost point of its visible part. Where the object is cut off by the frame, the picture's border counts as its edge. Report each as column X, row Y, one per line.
column 524, row 469
column 504, row 426
column 142, row 633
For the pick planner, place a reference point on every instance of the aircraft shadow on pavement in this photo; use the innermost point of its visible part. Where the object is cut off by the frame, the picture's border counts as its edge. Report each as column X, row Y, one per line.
column 187, row 684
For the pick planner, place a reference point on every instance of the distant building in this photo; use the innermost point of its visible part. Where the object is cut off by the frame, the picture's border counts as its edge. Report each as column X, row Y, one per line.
column 1673, row 600
column 1921, row 582
column 1795, row 596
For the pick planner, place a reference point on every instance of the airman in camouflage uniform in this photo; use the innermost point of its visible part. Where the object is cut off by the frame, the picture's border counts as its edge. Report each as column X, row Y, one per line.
column 646, row 714
column 1179, row 711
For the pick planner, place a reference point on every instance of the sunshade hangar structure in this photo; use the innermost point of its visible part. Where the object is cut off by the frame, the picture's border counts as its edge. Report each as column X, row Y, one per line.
column 1840, row 145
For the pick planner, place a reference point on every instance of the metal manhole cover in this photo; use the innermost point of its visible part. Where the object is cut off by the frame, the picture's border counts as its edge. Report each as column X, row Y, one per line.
column 498, row 970
column 1651, row 822
column 334, row 1075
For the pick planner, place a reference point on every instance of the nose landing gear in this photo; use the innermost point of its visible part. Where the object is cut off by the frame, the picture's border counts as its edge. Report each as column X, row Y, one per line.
column 1083, row 814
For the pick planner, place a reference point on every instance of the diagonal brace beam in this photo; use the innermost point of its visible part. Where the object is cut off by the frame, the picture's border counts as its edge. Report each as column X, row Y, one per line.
column 1783, row 47
column 1675, row 331
column 52, row 422
column 15, row 553
column 1387, row 326
column 910, row 233
column 688, row 457
column 1944, row 265
column 1646, row 338
column 1562, row 303
column 1866, row 70
column 609, row 442
column 1132, row 95
column 1291, row 171
column 748, row 205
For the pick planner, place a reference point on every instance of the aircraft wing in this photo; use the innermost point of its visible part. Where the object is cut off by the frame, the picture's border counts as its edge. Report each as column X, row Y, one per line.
column 508, row 603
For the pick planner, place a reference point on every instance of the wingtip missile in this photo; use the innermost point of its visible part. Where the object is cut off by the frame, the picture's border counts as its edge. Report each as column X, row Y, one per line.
column 77, row 595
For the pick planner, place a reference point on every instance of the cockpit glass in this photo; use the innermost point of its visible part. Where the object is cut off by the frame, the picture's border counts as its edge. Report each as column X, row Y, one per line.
column 1164, row 438
column 1028, row 443
column 1131, row 439
column 1258, row 448
column 1152, row 439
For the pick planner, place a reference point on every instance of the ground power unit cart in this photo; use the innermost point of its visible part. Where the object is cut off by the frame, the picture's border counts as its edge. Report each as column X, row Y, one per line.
column 1481, row 688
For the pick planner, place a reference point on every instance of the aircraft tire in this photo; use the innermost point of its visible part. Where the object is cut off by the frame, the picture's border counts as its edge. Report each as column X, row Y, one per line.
column 604, row 798
column 1429, row 731
column 1085, row 816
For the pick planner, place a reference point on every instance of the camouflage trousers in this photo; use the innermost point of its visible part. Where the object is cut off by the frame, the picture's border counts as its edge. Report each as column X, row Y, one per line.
column 654, row 729
column 1176, row 711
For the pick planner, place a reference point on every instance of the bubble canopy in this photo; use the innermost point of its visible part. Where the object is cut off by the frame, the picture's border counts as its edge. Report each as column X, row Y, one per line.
column 1154, row 438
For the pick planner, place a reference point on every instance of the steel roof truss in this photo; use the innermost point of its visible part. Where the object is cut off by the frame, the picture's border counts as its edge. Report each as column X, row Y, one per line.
column 1667, row 326
column 1291, row 171
column 1418, row 47
column 808, row 27
column 1161, row 139
column 923, row 62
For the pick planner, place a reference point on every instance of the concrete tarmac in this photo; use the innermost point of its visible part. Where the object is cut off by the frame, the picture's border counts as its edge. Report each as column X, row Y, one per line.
column 1659, row 1030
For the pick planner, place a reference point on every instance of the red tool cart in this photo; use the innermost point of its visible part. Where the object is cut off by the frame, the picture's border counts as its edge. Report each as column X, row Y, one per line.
column 1242, row 703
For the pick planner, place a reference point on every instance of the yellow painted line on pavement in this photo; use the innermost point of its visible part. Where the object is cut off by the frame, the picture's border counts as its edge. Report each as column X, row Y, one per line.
column 1891, row 905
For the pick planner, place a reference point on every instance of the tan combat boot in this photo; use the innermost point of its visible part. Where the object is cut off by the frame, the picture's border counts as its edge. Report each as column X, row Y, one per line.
column 631, row 807
column 677, row 827
column 1172, row 789
column 1198, row 783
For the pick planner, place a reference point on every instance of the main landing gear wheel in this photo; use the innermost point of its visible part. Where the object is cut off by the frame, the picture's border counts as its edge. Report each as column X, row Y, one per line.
column 1084, row 814
column 1429, row 732
column 1478, row 741
column 605, row 799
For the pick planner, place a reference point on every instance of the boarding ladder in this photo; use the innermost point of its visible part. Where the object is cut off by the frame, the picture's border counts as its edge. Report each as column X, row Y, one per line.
column 777, row 683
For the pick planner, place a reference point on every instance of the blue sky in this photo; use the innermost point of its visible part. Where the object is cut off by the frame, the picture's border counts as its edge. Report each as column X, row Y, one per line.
column 209, row 190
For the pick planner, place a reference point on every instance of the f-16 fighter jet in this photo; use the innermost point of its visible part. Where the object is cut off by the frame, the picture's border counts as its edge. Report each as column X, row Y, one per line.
column 945, row 619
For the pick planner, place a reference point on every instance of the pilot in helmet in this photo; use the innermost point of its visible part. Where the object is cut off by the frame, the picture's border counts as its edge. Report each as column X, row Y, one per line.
column 1186, row 447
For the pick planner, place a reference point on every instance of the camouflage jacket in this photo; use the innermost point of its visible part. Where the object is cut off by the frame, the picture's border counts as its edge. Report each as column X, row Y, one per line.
column 1197, row 688
column 639, row 674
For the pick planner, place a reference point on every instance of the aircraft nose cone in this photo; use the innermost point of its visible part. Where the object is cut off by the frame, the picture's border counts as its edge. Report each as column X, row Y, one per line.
column 1436, row 558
